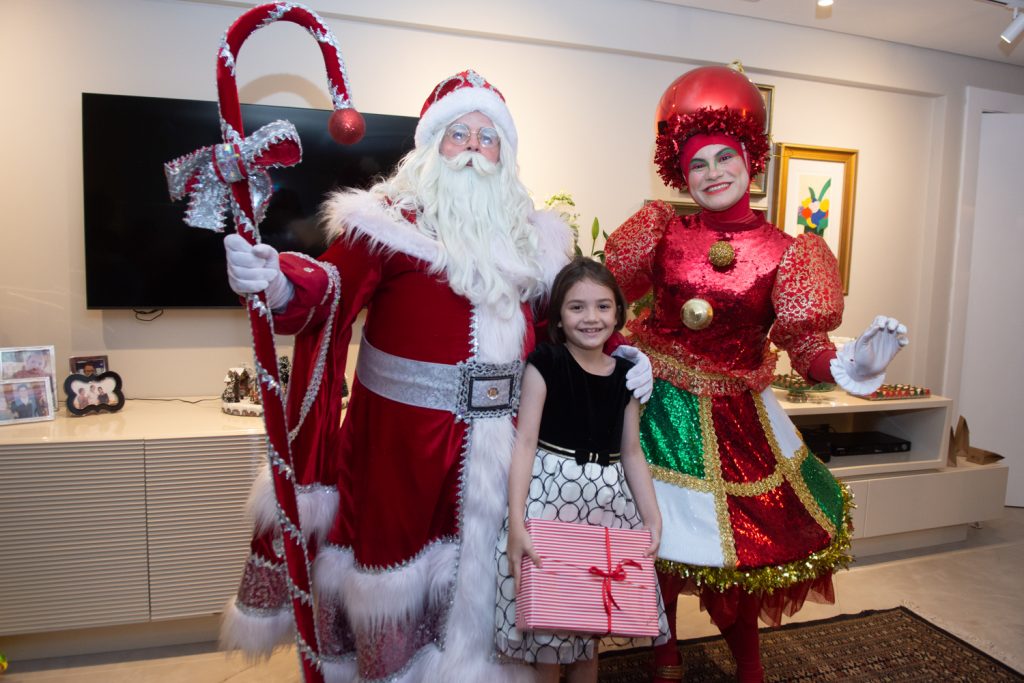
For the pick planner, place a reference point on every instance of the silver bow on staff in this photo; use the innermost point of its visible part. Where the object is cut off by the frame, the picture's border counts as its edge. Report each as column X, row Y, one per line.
column 206, row 174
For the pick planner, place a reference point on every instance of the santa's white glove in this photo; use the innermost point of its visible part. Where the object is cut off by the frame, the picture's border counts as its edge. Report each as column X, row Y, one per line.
column 255, row 268
column 859, row 367
column 639, row 379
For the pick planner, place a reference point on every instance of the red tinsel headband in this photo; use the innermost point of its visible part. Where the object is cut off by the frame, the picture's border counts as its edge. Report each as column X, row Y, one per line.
column 673, row 133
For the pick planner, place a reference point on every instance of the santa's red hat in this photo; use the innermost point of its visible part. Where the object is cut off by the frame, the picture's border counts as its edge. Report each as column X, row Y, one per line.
column 458, row 95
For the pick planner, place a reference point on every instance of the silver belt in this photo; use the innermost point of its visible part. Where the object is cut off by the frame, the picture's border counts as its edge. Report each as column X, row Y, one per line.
column 468, row 390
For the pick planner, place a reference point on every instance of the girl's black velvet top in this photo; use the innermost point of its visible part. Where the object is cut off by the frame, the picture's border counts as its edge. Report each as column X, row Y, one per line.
column 582, row 412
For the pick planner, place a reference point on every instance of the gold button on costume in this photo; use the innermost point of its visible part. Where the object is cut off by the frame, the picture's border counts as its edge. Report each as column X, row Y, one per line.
column 697, row 314
column 721, row 254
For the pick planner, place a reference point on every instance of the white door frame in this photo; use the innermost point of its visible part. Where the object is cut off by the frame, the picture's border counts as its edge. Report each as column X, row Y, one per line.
column 979, row 101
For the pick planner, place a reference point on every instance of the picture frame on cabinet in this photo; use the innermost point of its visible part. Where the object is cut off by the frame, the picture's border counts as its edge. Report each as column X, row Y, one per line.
column 87, row 365
column 27, row 399
column 30, row 362
column 87, row 394
column 815, row 191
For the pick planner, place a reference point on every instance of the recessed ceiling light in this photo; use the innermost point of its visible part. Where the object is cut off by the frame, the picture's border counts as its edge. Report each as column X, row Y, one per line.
column 825, row 3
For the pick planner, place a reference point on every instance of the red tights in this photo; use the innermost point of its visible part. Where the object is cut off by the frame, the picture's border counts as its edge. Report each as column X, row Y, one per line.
column 742, row 639
column 667, row 655
column 741, row 635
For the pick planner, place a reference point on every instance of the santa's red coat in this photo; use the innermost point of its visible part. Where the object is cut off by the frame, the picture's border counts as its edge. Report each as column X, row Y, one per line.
column 402, row 504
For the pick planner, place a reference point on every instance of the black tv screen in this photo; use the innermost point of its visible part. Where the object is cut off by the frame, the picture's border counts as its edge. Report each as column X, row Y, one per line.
column 139, row 254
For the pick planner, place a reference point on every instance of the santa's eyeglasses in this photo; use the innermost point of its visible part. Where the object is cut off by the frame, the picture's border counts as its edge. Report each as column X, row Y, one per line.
column 460, row 134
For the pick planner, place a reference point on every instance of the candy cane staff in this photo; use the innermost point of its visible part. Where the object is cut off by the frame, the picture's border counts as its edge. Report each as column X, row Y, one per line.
column 234, row 174
column 753, row 523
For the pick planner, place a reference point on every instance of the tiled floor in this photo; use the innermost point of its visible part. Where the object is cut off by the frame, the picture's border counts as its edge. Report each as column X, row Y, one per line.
column 973, row 589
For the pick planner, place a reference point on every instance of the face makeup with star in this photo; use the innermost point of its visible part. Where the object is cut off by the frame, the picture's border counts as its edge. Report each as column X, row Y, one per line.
column 717, row 177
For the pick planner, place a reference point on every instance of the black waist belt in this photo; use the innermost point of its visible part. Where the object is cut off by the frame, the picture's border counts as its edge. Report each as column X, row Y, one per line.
column 582, row 457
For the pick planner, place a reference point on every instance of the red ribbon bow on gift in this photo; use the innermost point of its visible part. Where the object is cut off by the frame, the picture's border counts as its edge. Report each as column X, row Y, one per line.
column 608, row 575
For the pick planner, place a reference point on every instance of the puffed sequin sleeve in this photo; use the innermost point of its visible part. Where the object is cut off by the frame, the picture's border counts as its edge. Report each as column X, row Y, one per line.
column 808, row 301
column 630, row 248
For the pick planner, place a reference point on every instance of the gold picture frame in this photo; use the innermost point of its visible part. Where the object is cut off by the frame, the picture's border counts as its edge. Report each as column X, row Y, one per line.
column 681, row 208
column 815, row 191
column 759, row 183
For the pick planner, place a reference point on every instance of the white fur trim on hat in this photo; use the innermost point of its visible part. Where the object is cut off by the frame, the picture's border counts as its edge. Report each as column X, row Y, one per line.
column 465, row 99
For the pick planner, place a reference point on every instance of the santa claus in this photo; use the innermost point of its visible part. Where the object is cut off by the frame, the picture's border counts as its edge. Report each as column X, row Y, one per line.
column 402, row 501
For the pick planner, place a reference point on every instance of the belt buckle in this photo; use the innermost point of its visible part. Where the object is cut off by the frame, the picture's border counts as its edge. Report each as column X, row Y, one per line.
column 488, row 389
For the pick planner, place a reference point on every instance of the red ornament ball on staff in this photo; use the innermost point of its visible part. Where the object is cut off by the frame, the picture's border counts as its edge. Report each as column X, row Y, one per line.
column 346, row 126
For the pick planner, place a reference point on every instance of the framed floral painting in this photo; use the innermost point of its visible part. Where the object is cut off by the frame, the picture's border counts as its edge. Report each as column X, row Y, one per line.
column 815, row 190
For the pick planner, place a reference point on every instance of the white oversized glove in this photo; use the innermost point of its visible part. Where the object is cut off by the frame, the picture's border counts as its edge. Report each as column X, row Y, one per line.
column 859, row 367
column 639, row 379
column 255, row 268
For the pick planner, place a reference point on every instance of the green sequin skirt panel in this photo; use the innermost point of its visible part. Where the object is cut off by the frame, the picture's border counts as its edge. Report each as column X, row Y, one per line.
column 670, row 433
column 676, row 447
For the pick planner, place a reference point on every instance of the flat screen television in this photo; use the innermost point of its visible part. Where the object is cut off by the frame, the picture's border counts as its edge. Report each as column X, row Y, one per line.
column 139, row 254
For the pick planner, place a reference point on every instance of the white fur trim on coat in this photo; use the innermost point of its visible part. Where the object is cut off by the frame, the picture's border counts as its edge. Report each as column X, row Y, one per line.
column 256, row 636
column 554, row 244
column 373, row 598
column 357, row 212
column 351, row 212
column 340, row 671
column 317, row 506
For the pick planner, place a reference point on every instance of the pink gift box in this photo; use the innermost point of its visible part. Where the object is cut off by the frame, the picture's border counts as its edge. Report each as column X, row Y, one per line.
column 591, row 580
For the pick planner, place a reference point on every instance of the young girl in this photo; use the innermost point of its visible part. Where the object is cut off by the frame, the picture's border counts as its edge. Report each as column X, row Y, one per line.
column 574, row 400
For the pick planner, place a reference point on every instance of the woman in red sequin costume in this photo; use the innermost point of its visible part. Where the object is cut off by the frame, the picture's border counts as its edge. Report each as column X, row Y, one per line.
column 753, row 523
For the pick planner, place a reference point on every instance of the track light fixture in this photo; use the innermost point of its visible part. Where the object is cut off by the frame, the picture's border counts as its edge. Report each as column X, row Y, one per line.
column 1015, row 28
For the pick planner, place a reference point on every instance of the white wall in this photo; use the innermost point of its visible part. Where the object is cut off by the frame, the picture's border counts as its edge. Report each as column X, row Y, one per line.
column 582, row 78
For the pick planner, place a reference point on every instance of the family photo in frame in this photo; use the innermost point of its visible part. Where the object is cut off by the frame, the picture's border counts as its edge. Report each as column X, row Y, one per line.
column 93, row 393
column 26, row 400
column 87, row 365
column 31, row 363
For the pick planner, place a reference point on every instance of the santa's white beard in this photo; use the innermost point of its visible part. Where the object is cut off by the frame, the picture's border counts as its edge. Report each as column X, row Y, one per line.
column 479, row 214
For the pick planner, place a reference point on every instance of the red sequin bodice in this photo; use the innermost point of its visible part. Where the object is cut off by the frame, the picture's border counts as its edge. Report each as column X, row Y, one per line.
column 739, row 294
column 788, row 287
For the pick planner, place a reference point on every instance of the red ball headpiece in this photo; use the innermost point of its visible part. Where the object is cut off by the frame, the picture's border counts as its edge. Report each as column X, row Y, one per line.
column 712, row 100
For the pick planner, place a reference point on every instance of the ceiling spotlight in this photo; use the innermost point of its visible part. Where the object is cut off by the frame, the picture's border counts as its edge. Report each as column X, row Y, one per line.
column 825, row 3
column 1015, row 28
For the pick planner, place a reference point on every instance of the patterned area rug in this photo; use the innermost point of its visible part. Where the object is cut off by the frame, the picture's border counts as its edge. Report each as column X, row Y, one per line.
column 876, row 645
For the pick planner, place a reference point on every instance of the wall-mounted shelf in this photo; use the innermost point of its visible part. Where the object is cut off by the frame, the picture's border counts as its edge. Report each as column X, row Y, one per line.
column 906, row 499
column 924, row 422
